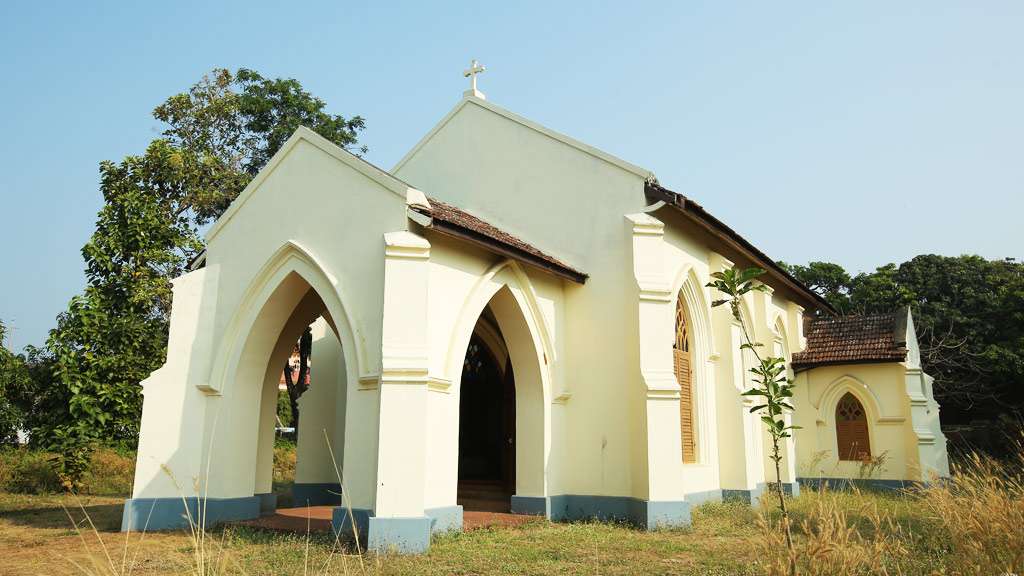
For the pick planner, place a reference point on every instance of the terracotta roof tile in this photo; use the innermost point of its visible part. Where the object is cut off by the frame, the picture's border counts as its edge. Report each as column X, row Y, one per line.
column 852, row 340
column 493, row 237
column 694, row 210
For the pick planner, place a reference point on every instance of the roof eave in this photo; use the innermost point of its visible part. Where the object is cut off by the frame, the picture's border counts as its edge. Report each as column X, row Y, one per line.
column 803, row 367
column 719, row 229
column 474, row 237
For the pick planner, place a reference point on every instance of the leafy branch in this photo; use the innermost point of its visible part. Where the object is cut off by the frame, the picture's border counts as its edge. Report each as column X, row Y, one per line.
column 772, row 386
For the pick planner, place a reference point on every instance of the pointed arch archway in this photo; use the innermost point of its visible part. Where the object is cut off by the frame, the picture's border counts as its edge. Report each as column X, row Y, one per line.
column 508, row 297
column 290, row 260
column 290, row 291
column 848, row 397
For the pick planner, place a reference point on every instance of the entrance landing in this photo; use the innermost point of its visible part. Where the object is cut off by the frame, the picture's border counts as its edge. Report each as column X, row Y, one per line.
column 318, row 519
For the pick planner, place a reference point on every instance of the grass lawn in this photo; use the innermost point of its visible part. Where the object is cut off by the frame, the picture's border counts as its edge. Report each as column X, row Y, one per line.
column 36, row 537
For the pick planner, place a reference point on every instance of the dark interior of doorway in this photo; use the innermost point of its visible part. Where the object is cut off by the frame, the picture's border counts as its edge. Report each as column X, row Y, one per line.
column 487, row 431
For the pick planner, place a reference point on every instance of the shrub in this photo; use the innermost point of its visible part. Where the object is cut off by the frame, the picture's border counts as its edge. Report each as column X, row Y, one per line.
column 28, row 471
column 284, row 408
column 284, row 462
column 110, row 473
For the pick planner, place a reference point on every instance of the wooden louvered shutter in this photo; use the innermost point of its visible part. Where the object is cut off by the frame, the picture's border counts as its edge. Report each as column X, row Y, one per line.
column 681, row 353
column 852, row 429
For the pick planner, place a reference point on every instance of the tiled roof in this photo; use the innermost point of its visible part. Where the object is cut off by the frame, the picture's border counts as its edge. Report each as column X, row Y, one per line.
column 853, row 340
column 695, row 211
column 448, row 218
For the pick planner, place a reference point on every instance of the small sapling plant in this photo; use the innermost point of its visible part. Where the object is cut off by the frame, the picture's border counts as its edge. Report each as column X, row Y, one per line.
column 772, row 386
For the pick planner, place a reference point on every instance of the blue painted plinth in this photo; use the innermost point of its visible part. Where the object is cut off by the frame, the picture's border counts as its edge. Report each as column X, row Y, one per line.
column 646, row 514
column 445, row 519
column 313, row 494
column 268, row 503
column 171, row 513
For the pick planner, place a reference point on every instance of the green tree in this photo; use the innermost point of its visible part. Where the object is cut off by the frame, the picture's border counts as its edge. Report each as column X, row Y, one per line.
column 41, row 400
column 829, row 280
column 234, row 123
column 14, row 379
column 879, row 291
column 115, row 333
column 219, row 134
column 968, row 313
column 297, row 386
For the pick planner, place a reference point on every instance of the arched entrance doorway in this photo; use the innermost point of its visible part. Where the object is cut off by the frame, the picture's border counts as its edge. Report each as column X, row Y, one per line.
column 290, row 298
column 499, row 362
column 487, row 422
column 322, row 404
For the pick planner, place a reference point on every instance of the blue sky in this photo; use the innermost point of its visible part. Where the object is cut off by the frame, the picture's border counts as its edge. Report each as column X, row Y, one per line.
column 879, row 130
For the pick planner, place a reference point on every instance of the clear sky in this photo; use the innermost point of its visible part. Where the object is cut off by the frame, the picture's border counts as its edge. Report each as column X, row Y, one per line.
column 879, row 130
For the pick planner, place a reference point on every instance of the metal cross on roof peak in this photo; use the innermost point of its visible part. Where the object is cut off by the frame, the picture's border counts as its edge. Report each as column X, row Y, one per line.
column 471, row 73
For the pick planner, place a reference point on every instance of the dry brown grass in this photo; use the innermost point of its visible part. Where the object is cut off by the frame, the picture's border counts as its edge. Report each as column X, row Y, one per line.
column 981, row 515
column 838, row 535
column 973, row 524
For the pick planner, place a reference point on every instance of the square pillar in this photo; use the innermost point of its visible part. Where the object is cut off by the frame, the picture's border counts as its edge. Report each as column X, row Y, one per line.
column 661, row 480
column 398, row 521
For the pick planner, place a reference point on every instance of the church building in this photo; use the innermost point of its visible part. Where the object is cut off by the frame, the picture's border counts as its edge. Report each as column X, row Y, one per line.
column 508, row 319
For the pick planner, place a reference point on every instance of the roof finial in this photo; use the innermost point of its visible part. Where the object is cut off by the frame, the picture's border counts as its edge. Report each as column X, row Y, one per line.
column 471, row 72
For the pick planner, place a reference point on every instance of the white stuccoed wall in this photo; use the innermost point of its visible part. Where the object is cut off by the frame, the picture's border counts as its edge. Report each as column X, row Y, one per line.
column 229, row 313
column 611, row 431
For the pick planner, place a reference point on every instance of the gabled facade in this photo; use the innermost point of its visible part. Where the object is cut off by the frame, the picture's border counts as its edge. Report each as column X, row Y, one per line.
column 867, row 409
column 508, row 319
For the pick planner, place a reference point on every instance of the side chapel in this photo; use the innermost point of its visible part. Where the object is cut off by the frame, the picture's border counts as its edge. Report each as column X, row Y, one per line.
column 508, row 319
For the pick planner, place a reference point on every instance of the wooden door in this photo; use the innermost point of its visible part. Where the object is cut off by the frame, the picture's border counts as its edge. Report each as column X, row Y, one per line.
column 684, row 376
column 852, row 429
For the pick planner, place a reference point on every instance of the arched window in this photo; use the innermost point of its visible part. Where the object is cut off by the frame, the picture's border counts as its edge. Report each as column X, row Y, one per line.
column 852, row 429
column 684, row 375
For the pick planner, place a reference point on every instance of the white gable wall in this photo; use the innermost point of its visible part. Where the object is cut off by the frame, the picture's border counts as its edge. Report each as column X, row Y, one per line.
column 570, row 204
column 309, row 203
column 313, row 200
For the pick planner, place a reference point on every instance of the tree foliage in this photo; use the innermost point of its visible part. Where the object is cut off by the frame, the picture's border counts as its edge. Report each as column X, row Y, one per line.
column 232, row 124
column 827, row 279
column 218, row 135
column 14, row 380
column 115, row 333
column 969, row 315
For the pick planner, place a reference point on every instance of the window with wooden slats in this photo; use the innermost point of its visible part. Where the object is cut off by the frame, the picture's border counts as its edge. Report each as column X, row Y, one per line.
column 852, row 429
column 684, row 375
